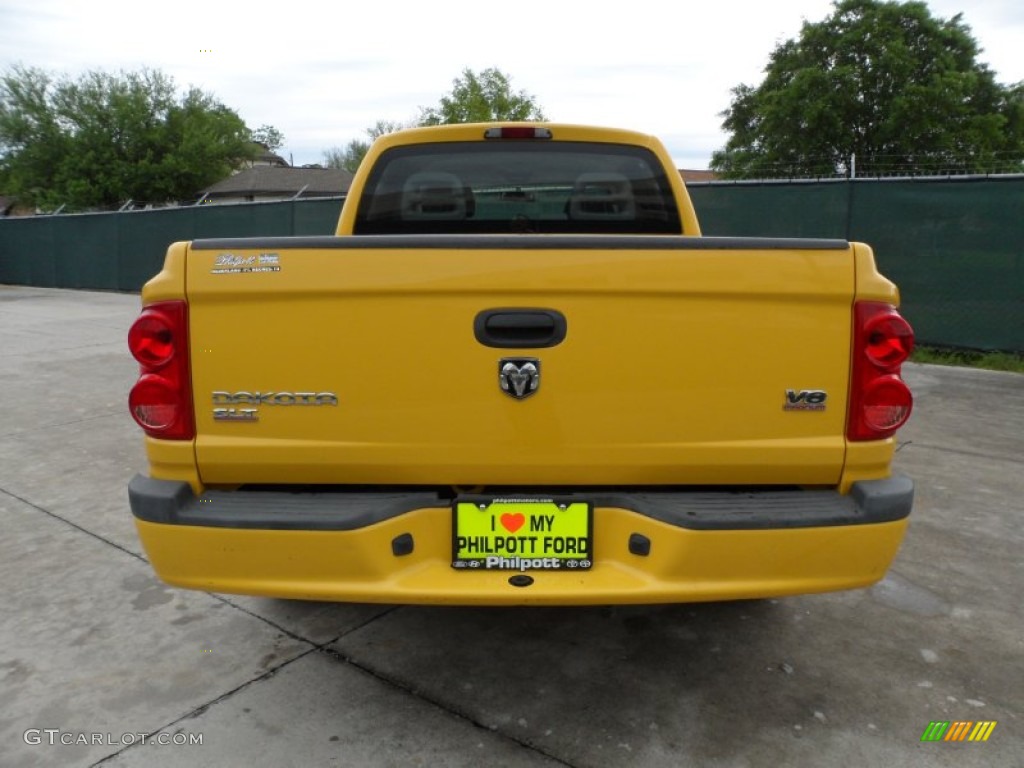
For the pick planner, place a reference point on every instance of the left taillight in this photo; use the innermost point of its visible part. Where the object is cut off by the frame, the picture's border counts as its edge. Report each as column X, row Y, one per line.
column 880, row 401
column 161, row 400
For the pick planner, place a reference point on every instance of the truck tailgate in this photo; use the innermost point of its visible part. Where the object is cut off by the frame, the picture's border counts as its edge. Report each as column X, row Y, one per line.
column 685, row 360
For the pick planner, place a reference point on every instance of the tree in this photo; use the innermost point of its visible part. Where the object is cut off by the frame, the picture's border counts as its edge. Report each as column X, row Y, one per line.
column 474, row 98
column 882, row 81
column 102, row 139
column 353, row 153
column 477, row 98
column 348, row 157
column 269, row 137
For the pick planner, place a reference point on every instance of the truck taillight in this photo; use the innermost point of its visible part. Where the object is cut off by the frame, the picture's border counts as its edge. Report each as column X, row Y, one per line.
column 151, row 338
column 517, row 132
column 880, row 401
column 161, row 400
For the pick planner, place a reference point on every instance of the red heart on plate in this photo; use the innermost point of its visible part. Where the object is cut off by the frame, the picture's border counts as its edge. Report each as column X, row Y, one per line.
column 513, row 522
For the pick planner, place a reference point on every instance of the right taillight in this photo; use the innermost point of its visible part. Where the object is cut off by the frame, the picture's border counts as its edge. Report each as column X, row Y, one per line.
column 161, row 400
column 880, row 401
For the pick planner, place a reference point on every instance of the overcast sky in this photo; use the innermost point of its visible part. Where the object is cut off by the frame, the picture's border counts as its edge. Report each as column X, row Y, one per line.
column 323, row 72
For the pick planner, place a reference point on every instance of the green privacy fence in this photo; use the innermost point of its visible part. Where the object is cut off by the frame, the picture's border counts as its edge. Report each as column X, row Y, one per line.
column 121, row 251
column 955, row 247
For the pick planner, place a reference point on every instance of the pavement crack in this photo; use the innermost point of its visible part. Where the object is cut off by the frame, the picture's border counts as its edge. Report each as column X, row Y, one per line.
column 196, row 712
column 39, row 428
column 74, row 525
column 363, row 625
column 965, row 452
column 264, row 619
column 294, row 635
column 439, row 704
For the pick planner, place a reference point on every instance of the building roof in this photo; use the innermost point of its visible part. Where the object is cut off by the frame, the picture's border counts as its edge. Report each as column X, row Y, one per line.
column 265, row 156
column 689, row 175
column 266, row 181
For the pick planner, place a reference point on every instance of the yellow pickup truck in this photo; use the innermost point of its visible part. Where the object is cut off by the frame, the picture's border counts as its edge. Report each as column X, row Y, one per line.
column 518, row 374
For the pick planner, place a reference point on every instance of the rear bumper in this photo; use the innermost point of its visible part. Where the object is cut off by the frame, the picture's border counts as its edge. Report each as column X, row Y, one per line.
column 396, row 547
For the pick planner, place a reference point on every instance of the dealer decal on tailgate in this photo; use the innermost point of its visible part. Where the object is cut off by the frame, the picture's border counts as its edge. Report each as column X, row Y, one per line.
column 522, row 534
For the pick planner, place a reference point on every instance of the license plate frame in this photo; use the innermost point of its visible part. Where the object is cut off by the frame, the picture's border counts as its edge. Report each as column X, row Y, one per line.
column 522, row 533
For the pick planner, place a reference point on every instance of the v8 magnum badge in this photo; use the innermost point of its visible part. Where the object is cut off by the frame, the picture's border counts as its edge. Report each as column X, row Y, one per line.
column 519, row 377
column 805, row 400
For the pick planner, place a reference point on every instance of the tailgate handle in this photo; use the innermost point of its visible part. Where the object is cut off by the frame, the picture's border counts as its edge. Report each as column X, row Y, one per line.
column 520, row 328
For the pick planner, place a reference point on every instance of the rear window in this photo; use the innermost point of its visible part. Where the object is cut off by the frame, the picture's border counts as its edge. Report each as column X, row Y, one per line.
column 509, row 187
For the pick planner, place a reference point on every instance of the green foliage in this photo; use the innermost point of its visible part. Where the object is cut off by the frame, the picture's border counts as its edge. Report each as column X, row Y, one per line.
column 348, row 157
column 103, row 139
column 993, row 361
column 483, row 97
column 268, row 136
column 351, row 155
column 884, row 81
column 474, row 98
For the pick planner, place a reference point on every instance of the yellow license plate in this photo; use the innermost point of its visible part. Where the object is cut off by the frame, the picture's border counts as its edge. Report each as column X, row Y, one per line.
column 522, row 534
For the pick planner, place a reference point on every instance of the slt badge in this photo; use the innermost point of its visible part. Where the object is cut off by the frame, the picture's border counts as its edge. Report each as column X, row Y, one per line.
column 222, row 398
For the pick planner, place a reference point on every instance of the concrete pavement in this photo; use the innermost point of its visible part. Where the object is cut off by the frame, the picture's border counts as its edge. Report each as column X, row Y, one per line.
column 92, row 646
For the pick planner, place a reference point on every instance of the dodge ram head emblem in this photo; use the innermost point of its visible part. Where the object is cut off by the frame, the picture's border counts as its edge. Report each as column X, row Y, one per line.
column 519, row 377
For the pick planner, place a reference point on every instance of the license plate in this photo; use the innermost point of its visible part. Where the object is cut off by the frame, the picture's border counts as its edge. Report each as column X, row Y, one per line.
column 521, row 534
